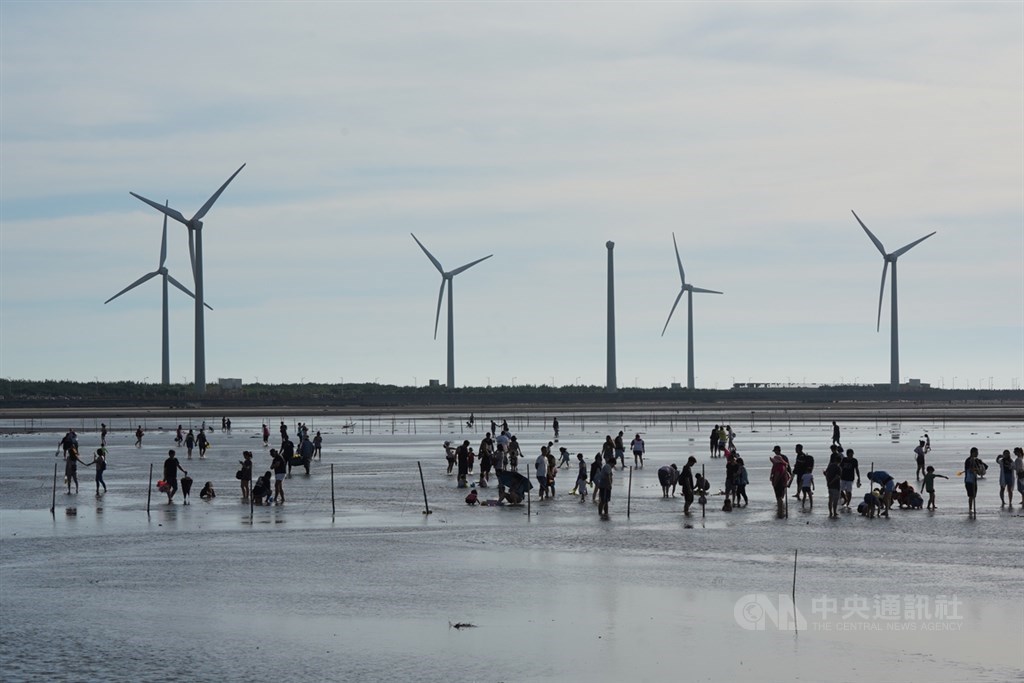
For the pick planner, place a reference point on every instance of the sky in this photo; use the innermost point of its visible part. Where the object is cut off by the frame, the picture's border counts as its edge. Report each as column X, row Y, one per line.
column 535, row 132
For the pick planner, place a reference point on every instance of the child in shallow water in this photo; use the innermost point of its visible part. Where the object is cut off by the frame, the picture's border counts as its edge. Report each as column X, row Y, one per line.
column 472, row 498
column 208, row 493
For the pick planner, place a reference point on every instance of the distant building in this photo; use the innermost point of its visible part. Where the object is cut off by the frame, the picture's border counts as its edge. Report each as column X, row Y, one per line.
column 229, row 382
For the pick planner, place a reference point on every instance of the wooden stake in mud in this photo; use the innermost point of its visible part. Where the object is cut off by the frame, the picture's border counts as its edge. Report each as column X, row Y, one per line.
column 53, row 503
column 795, row 552
column 528, row 497
column 629, row 492
column 423, row 484
column 333, row 509
column 149, row 493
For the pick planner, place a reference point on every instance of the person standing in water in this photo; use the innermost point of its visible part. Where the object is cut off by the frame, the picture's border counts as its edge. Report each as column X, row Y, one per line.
column 1005, row 462
column 604, row 489
column 190, row 443
column 929, row 485
column 99, row 461
column 318, row 443
column 919, row 456
column 554, row 427
column 971, row 480
column 637, row 446
column 245, row 474
column 686, row 481
column 103, row 434
column 835, row 434
column 280, row 467
column 71, row 469
column 266, row 435
column 581, row 479
column 138, row 436
column 171, row 469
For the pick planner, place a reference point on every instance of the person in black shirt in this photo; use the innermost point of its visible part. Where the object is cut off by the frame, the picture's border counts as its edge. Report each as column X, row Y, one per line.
column 171, row 467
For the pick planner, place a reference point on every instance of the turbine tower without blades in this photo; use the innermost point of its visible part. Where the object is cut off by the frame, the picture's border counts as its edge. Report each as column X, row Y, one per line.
column 689, row 291
column 446, row 278
column 195, row 247
column 611, row 385
column 887, row 258
column 161, row 270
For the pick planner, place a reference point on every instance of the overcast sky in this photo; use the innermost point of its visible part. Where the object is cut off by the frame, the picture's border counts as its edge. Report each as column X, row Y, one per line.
column 535, row 132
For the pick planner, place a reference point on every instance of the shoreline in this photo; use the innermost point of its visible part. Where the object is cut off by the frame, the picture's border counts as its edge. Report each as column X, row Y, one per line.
column 756, row 410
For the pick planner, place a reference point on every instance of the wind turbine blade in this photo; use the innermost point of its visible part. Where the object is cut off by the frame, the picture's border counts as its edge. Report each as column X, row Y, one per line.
column 679, row 261
column 874, row 239
column 216, row 195
column 192, row 251
column 678, row 297
column 163, row 244
column 698, row 290
column 469, row 265
column 148, row 276
column 881, row 293
column 440, row 296
column 185, row 289
column 167, row 211
column 437, row 264
column 903, row 250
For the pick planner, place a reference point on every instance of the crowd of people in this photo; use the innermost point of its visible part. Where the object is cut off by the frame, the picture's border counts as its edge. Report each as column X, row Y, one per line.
column 840, row 474
column 498, row 461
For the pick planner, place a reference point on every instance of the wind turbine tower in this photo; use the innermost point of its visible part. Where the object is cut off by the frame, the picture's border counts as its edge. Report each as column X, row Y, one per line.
column 887, row 258
column 446, row 278
column 612, row 386
column 688, row 290
column 161, row 270
column 195, row 247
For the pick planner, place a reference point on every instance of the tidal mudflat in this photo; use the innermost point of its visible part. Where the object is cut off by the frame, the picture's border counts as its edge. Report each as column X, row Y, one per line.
column 101, row 590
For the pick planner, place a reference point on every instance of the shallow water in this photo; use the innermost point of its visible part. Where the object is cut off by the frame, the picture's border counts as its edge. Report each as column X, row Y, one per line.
column 204, row 592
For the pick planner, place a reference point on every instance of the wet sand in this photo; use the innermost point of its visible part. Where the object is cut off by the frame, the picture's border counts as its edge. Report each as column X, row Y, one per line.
column 201, row 592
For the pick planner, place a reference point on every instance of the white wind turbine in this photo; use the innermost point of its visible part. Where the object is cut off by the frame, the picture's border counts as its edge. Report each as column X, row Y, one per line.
column 447, row 277
column 195, row 247
column 887, row 258
column 167, row 278
column 688, row 290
